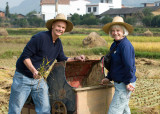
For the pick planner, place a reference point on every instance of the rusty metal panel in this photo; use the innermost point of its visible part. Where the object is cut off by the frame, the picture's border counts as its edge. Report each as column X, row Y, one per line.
column 77, row 72
column 59, row 89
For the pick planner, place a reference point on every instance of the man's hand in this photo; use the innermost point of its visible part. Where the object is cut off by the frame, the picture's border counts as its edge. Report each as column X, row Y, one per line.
column 130, row 87
column 81, row 58
column 104, row 81
column 30, row 66
column 36, row 76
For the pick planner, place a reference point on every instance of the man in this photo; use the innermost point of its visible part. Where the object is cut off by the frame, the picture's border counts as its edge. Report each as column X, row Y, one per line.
column 40, row 51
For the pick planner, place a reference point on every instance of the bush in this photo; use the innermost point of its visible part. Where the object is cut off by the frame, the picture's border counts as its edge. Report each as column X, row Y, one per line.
column 147, row 20
column 106, row 19
column 20, row 22
column 75, row 19
column 131, row 21
column 156, row 21
column 89, row 19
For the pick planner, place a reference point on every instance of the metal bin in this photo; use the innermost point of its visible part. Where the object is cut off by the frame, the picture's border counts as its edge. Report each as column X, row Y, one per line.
column 74, row 89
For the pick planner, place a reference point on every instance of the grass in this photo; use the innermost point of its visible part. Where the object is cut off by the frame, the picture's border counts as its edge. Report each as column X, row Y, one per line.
column 151, row 55
column 10, row 54
column 9, row 50
column 26, row 31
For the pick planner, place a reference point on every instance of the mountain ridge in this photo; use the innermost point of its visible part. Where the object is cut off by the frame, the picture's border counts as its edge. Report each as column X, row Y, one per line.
column 26, row 6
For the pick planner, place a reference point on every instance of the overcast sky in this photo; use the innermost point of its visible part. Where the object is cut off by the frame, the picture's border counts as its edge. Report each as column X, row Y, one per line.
column 12, row 3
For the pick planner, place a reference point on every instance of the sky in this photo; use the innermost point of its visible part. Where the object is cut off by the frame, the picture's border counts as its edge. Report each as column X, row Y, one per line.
column 12, row 3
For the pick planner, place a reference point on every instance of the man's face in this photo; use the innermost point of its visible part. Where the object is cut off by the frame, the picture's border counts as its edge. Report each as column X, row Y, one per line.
column 58, row 28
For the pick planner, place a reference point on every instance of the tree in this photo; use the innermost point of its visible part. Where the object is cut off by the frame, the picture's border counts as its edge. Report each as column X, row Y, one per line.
column 34, row 20
column 7, row 14
column 147, row 20
column 131, row 20
column 148, row 16
column 20, row 22
column 0, row 19
column 30, row 14
column 106, row 19
column 89, row 19
column 147, row 12
column 156, row 21
column 75, row 19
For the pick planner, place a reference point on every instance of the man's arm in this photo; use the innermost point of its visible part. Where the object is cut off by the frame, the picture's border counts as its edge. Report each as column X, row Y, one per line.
column 30, row 66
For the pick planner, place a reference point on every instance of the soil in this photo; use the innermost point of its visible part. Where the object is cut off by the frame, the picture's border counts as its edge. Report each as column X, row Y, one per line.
column 146, row 69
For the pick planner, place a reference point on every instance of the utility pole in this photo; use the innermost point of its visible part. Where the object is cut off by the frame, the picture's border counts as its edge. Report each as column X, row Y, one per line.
column 56, row 7
column 7, row 11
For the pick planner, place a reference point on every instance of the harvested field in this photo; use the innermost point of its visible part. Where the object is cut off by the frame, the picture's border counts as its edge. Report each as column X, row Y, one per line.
column 145, row 99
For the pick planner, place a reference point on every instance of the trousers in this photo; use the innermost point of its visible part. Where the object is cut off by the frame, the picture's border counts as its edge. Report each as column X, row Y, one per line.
column 120, row 101
column 22, row 87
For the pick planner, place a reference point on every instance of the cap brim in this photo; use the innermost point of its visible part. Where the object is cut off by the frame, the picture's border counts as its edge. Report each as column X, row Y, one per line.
column 69, row 26
column 107, row 27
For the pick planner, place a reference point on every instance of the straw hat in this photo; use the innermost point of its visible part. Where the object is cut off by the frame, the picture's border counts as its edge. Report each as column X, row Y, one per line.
column 60, row 17
column 117, row 21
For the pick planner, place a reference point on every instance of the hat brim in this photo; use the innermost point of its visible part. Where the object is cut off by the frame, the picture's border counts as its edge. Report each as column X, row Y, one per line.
column 69, row 26
column 106, row 27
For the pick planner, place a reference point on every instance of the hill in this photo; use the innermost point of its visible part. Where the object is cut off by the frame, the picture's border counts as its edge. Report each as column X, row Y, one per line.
column 26, row 6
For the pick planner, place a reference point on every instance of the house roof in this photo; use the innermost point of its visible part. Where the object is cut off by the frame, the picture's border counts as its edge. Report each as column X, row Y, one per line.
column 92, row 5
column 122, row 11
column 148, row 3
column 157, row 2
column 53, row 2
column 21, row 15
column 2, row 11
column 78, row 0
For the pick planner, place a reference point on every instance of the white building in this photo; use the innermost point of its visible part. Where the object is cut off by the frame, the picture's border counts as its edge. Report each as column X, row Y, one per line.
column 81, row 7
column 103, row 6
column 78, row 6
column 48, row 8
column 157, row 3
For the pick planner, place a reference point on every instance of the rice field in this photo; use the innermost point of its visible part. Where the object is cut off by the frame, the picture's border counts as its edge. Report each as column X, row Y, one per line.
column 147, row 46
column 140, row 43
column 72, row 44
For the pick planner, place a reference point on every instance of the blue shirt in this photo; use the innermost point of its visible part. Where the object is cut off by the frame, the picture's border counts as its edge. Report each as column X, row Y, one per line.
column 40, row 49
column 122, row 62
